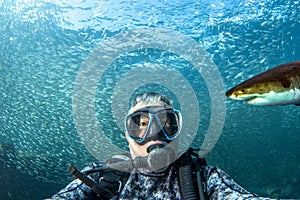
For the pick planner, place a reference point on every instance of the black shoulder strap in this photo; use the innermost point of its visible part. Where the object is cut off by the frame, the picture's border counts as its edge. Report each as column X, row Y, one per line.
column 110, row 183
column 191, row 188
column 105, row 194
column 201, row 186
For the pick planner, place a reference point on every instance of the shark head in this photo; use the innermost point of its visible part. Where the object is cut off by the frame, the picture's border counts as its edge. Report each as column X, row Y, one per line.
column 262, row 94
column 277, row 86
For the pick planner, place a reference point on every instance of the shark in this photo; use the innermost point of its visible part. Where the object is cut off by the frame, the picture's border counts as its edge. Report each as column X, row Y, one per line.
column 277, row 86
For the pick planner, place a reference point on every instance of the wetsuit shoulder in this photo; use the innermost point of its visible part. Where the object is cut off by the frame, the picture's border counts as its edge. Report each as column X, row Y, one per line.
column 219, row 185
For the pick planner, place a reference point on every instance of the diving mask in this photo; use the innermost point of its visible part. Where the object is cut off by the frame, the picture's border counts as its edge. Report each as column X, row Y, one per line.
column 153, row 123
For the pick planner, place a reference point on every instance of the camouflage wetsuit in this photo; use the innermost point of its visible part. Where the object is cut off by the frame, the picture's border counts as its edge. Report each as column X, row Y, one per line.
column 217, row 184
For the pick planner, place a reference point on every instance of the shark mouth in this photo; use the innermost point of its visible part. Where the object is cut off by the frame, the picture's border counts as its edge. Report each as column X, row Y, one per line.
column 251, row 98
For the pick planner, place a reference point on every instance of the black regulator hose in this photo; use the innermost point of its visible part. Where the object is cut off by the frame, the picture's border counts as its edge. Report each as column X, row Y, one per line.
column 189, row 190
column 159, row 158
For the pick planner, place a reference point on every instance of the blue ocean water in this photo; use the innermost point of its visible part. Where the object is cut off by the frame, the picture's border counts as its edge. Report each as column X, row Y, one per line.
column 44, row 44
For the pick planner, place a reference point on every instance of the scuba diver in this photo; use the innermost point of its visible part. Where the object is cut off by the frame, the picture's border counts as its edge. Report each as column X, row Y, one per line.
column 154, row 169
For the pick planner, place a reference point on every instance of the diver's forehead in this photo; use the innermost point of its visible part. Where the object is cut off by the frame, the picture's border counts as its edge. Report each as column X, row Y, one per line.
column 144, row 104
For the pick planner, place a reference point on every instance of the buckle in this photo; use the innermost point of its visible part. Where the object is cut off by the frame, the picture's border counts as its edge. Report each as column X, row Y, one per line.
column 109, row 185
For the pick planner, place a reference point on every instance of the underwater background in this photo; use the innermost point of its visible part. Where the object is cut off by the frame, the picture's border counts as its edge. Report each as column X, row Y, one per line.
column 44, row 43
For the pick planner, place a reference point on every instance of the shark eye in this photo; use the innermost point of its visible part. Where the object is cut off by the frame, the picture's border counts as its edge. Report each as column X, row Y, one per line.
column 260, row 90
column 243, row 90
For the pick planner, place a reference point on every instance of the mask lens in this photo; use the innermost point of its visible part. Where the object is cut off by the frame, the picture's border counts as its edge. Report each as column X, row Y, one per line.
column 170, row 122
column 137, row 124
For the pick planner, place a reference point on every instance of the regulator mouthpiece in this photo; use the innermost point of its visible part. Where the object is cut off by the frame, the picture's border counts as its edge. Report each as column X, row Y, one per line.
column 160, row 157
column 152, row 147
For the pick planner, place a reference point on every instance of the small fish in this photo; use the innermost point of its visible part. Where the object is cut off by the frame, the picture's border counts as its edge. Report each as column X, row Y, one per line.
column 277, row 86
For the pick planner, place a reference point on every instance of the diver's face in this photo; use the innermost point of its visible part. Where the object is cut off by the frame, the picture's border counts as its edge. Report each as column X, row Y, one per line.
column 137, row 149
